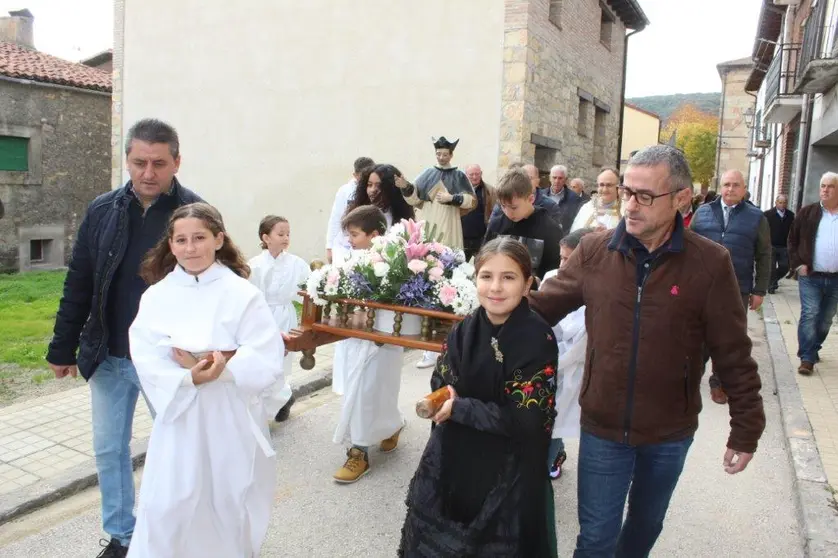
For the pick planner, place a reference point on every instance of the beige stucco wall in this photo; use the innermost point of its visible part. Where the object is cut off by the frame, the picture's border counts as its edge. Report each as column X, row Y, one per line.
column 274, row 101
column 639, row 130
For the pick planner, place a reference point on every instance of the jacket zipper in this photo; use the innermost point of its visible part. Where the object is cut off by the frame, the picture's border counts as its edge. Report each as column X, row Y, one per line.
column 106, row 280
column 687, row 385
column 634, row 350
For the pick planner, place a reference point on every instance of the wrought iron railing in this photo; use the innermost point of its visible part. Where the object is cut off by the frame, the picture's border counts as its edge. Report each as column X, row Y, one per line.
column 781, row 75
column 818, row 36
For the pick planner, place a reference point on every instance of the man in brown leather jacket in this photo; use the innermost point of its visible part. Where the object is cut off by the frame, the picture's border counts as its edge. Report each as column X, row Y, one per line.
column 655, row 295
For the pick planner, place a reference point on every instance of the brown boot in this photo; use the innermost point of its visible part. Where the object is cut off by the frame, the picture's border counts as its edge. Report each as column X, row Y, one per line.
column 390, row 443
column 357, row 465
column 718, row 395
column 806, row 368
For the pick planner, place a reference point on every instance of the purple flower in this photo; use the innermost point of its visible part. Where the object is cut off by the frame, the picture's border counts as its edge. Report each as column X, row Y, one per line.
column 415, row 292
column 360, row 284
column 448, row 259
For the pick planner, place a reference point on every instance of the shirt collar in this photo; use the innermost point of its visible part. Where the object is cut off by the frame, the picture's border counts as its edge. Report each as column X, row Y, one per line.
column 623, row 242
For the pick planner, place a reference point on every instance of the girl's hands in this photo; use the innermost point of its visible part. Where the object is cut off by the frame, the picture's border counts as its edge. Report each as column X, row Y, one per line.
column 202, row 374
column 444, row 412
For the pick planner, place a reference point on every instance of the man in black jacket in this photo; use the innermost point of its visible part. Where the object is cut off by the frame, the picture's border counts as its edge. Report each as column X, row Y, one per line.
column 101, row 296
column 780, row 219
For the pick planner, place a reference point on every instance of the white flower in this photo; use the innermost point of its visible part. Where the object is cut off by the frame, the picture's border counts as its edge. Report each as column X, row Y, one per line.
column 465, row 269
column 381, row 269
column 396, row 230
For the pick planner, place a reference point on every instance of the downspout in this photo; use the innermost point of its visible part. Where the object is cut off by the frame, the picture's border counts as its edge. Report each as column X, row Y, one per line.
column 623, row 99
column 761, row 155
column 802, row 150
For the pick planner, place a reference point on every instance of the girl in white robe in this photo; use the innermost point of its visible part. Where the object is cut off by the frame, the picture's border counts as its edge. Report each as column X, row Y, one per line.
column 572, row 339
column 278, row 274
column 209, row 478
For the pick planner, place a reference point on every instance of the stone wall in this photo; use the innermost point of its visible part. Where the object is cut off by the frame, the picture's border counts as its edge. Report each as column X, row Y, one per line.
column 734, row 134
column 548, row 67
column 69, row 161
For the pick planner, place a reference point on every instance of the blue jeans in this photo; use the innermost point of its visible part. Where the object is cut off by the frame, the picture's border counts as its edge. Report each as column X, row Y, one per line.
column 818, row 302
column 606, row 470
column 114, row 388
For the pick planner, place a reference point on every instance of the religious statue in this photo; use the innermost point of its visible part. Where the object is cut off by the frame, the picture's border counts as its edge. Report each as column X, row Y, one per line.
column 443, row 193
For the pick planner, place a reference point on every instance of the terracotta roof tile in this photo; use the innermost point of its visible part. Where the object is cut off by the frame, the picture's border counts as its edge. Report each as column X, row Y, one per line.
column 23, row 63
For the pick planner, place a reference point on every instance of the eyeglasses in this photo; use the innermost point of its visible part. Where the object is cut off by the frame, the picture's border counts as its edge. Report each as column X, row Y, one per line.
column 643, row 198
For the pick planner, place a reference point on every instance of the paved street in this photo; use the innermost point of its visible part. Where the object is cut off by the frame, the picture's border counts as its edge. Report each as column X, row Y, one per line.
column 713, row 514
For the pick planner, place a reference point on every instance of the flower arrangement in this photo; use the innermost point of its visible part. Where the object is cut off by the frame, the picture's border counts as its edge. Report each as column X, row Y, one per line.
column 405, row 267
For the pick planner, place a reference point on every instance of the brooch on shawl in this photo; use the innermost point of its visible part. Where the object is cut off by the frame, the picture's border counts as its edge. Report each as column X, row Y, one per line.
column 498, row 354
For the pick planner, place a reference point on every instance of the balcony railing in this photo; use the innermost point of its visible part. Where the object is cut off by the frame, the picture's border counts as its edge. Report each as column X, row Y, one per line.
column 780, row 77
column 818, row 66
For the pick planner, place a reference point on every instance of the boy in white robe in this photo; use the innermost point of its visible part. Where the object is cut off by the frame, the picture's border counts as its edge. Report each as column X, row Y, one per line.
column 371, row 375
column 572, row 339
column 205, row 347
column 278, row 274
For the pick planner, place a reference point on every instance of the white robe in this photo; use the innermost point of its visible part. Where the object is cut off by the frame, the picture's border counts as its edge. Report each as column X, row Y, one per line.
column 572, row 340
column 591, row 215
column 371, row 378
column 279, row 280
column 210, row 470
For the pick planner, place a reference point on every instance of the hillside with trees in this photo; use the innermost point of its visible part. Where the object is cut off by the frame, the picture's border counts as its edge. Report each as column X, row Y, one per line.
column 665, row 105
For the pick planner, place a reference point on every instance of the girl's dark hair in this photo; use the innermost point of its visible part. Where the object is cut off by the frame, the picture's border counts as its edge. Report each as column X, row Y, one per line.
column 390, row 197
column 368, row 218
column 266, row 225
column 572, row 240
column 160, row 260
column 508, row 247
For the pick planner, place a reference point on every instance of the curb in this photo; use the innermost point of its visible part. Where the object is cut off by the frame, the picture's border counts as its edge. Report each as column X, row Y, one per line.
column 72, row 481
column 816, row 505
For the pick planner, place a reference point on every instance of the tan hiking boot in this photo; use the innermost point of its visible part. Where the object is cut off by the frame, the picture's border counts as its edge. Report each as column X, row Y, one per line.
column 357, row 465
column 390, row 443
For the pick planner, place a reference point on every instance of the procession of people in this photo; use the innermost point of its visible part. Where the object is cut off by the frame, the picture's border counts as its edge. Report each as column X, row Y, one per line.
column 597, row 317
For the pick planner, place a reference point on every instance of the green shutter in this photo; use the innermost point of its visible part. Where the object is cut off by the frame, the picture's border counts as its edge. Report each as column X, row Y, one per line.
column 14, row 153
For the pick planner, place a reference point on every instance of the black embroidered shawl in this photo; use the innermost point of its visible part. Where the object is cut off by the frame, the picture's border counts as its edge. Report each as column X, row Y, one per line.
column 481, row 488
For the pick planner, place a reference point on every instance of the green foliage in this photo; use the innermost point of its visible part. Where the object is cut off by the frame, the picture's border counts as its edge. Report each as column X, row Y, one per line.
column 28, row 303
column 665, row 105
column 698, row 142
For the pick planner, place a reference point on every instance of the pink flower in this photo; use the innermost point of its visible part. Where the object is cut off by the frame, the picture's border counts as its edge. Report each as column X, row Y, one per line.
column 438, row 248
column 333, row 277
column 435, row 273
column 447, row 294
column 416, row 251
column 375, row 257
column 674, row 291
column 417, row 266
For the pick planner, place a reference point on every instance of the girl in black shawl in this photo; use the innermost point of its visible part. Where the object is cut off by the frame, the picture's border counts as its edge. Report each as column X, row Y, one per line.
column 480, row 488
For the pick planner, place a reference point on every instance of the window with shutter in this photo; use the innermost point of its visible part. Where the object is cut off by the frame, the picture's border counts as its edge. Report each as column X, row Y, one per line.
column 14, row 153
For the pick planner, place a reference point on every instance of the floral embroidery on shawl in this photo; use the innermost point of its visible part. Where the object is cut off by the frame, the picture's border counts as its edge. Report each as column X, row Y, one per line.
column 539, row 392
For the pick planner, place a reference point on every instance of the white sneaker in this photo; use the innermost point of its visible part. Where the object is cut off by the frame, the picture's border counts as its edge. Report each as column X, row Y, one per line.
column 428, row 360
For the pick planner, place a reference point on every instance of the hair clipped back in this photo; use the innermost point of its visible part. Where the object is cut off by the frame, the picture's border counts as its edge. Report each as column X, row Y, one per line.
column 509, row 247
column 266, row 225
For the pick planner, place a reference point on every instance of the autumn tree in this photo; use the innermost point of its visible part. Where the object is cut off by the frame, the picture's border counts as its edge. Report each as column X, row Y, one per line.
column 696, row 134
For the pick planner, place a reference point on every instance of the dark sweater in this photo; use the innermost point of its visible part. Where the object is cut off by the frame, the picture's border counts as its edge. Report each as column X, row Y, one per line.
column 538, row 226
column 145, row 229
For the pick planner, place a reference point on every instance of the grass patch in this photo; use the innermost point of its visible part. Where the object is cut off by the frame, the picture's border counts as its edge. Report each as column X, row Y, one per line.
column 28, row 303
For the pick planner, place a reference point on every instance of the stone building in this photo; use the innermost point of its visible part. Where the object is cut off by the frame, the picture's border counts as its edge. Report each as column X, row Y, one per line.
column 641, row 128
column 55, row 128
column 102, row 60
column 274, row 124
column 734, row 134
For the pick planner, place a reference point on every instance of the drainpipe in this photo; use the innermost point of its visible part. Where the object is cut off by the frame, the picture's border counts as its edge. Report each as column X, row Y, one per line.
column 761, row 155
column 623, row 99
column 802, row 150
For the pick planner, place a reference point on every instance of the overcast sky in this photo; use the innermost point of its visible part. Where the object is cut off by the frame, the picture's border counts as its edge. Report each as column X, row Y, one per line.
column 677, row 53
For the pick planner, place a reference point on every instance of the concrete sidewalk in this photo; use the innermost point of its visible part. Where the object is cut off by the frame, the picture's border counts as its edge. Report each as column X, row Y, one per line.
column 46, row 444
column 809, row 408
